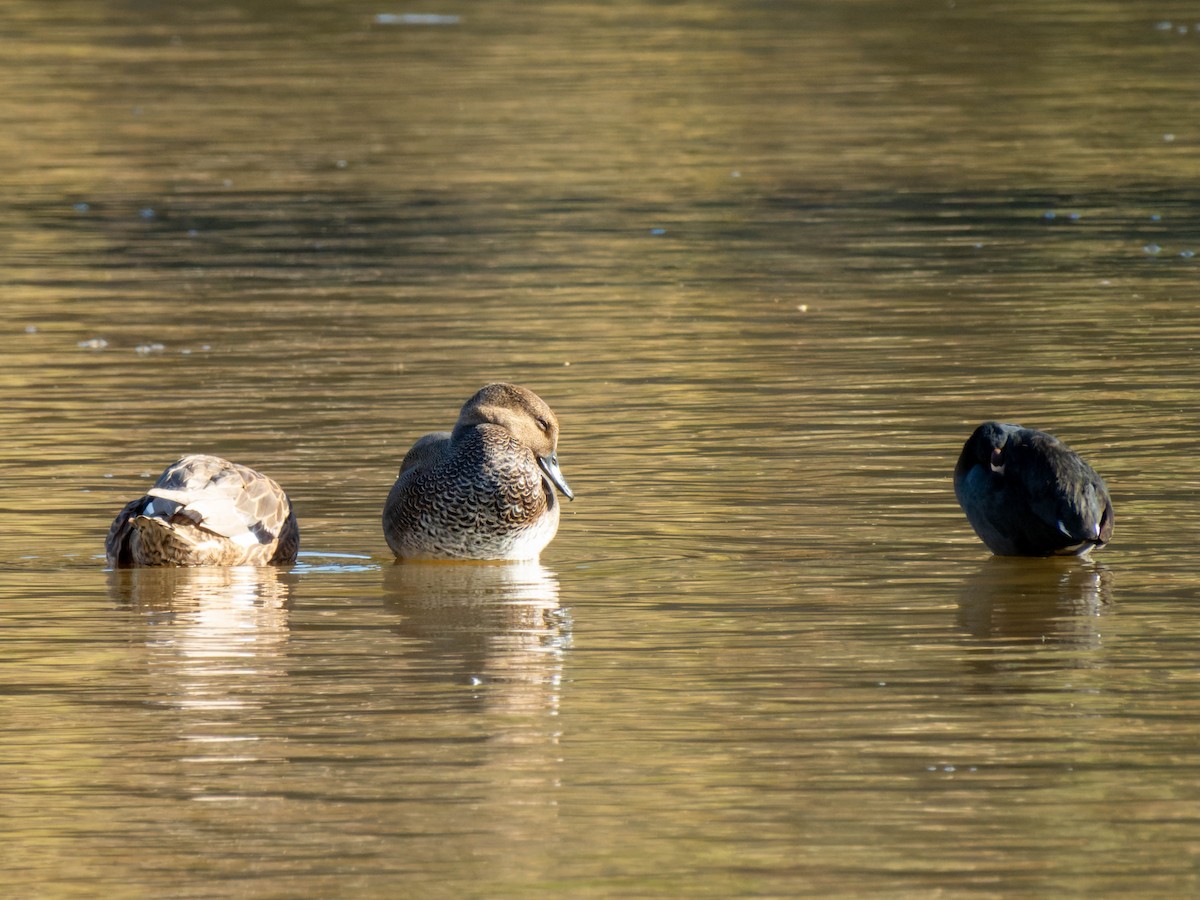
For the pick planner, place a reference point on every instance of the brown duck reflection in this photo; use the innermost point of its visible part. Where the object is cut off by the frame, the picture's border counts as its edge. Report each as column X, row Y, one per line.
column 1053, row 600
column 487, row 623
column 197, row 588
column 212, row 633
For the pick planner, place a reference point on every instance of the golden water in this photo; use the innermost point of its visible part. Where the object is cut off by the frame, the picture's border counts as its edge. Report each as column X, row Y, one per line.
column 770, row 264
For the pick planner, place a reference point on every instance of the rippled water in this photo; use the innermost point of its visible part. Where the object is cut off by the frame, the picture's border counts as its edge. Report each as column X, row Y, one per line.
column 770, row 264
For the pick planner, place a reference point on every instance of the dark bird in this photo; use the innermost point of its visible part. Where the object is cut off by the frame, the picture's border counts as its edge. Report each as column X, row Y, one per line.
column 486, row 490
column 1026, row 493
column 206, row 511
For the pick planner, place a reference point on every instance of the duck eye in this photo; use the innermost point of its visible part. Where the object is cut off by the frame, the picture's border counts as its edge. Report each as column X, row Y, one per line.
column 543, row 424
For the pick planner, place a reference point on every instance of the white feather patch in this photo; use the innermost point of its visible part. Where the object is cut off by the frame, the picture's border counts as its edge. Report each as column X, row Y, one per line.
column 220, row 516
column 246, row 539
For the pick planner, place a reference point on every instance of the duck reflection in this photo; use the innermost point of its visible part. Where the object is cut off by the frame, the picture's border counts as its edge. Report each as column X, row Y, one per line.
column 1048, row 601
column 214, row 633
column 485, row 624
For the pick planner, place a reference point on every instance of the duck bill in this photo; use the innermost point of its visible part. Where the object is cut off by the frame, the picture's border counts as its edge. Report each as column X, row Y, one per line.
column 549, row 465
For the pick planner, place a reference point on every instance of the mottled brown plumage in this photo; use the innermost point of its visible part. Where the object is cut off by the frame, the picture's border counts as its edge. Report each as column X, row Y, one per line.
column 206, row 511
column 485, row 490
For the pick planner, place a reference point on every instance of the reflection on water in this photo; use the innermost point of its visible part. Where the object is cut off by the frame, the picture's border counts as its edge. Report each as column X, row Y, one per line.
column 769, row 263
column 215, row 640
column 498, row 625
column 221, row 597
column 1036, row 613
column 1039, row 599
column 208, row 613
column 491, row 640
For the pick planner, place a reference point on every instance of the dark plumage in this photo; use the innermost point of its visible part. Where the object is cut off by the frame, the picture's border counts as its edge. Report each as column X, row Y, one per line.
column 485, row 490
column 206, row 511
column 1026, row 493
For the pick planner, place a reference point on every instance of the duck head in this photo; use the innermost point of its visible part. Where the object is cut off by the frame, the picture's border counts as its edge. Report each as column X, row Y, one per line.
column 526, row 416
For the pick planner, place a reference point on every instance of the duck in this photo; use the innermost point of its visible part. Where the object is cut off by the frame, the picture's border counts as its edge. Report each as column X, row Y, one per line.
column 485, row 490
column 1026, row 493
column 206, row 511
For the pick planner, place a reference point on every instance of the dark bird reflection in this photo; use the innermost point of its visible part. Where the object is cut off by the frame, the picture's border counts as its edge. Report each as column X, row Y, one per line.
column 1054, row 600
column 484, row 623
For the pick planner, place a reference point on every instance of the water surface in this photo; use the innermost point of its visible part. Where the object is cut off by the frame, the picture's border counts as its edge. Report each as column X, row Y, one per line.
column 770, row 264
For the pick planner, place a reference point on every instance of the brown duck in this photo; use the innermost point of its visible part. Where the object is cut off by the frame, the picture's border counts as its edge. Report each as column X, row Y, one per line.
column 485, row 490
column 206, row 511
